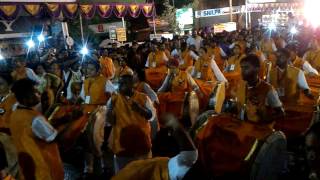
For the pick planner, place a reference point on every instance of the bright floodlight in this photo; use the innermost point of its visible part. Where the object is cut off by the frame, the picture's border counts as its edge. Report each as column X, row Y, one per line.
column 30, row 43
column 41, row 38
column 84, row 50
column 1, row 57
column 272, row 27
column 293, row 30
column 311, row 12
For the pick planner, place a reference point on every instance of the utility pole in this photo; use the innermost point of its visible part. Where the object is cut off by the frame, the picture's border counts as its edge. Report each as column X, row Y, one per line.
column 231, row 11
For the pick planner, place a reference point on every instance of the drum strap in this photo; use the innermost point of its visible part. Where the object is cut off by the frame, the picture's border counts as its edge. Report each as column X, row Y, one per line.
column 252, row 150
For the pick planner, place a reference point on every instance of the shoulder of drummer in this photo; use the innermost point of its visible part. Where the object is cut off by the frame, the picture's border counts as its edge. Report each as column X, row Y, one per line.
column 42, row 129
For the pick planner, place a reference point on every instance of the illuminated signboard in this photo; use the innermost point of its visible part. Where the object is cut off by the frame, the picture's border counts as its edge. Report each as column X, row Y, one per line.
column 184, row 16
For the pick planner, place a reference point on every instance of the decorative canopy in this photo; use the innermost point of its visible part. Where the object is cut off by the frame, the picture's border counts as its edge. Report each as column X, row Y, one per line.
column 10, row 11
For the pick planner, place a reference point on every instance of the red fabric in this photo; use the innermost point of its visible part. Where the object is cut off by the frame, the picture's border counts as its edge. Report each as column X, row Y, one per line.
column 295, row 123
column 224, row 143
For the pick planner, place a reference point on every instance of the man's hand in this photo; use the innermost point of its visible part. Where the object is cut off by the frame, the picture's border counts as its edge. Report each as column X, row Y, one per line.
column 308, row 93
column 141, row 110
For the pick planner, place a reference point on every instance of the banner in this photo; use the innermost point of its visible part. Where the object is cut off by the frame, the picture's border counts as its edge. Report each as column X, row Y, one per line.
column 112, row 33
column 121, row 34
column 219, row 11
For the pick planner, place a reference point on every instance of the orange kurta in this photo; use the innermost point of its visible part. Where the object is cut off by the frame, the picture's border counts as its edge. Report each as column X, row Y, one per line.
column 253, row 101
column 288, row 80
column 215, row 52
column 205, row 79
column 173, row 100
column 157, row 70
column 156, row 59
column 95, row 88
column 6, row 105
column 129, row 124
column 150, row 169
column 107, row 67
column 313, row 57
column 44, row 157
column 187, row 60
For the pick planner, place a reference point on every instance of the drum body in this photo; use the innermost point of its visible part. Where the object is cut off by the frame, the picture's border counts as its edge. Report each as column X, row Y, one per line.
column 72, row 121
column 229, row 146
column 155, row 76
column 296, row 121
column 184, row 105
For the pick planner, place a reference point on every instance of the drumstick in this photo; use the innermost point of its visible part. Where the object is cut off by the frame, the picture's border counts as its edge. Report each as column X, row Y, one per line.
column 53, row 113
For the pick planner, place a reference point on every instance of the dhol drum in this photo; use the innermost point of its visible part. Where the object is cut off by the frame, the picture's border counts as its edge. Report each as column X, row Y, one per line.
column 155, row 76
column 11, row 154
column 75, row 120
column 214, row 95
column 314, row 83
column 298, row 118
column 228, row 146
column 185, row 106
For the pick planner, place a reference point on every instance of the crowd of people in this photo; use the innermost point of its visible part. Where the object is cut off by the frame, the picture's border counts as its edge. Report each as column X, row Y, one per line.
column 63, row 113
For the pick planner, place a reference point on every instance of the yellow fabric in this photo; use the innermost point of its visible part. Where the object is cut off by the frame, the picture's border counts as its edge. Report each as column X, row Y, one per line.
column 95, row 88
column 18, row 74
column 52, row 7
column 127, row 117
column 266, row 46
column 203, row 65
column 150, row 169
column 313, row 57
column 180, row 83
column 298, row 63
column 72, row 8
column 9, row 9
column 6, row 105
column 107, row 67
column 104, row 8
column 86, row 8
column 125, row 71
column 46, row 158
column 288, row 81
column 33, row 9
column 156, row 57
column 254, row 99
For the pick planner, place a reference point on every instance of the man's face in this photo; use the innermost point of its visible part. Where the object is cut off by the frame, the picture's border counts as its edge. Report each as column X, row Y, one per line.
column 292, row 55
column 91, row 71
column 236, row 50
column 40, row 70
column 248, row 71
column 312, row 144
column 20, row 64
column 282, row 60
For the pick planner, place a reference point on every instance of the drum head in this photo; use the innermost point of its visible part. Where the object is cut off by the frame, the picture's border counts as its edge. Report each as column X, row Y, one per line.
column 219, row 97
column 271, row 159
column 200, row 123
column 95, row 129
column 193, row 106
